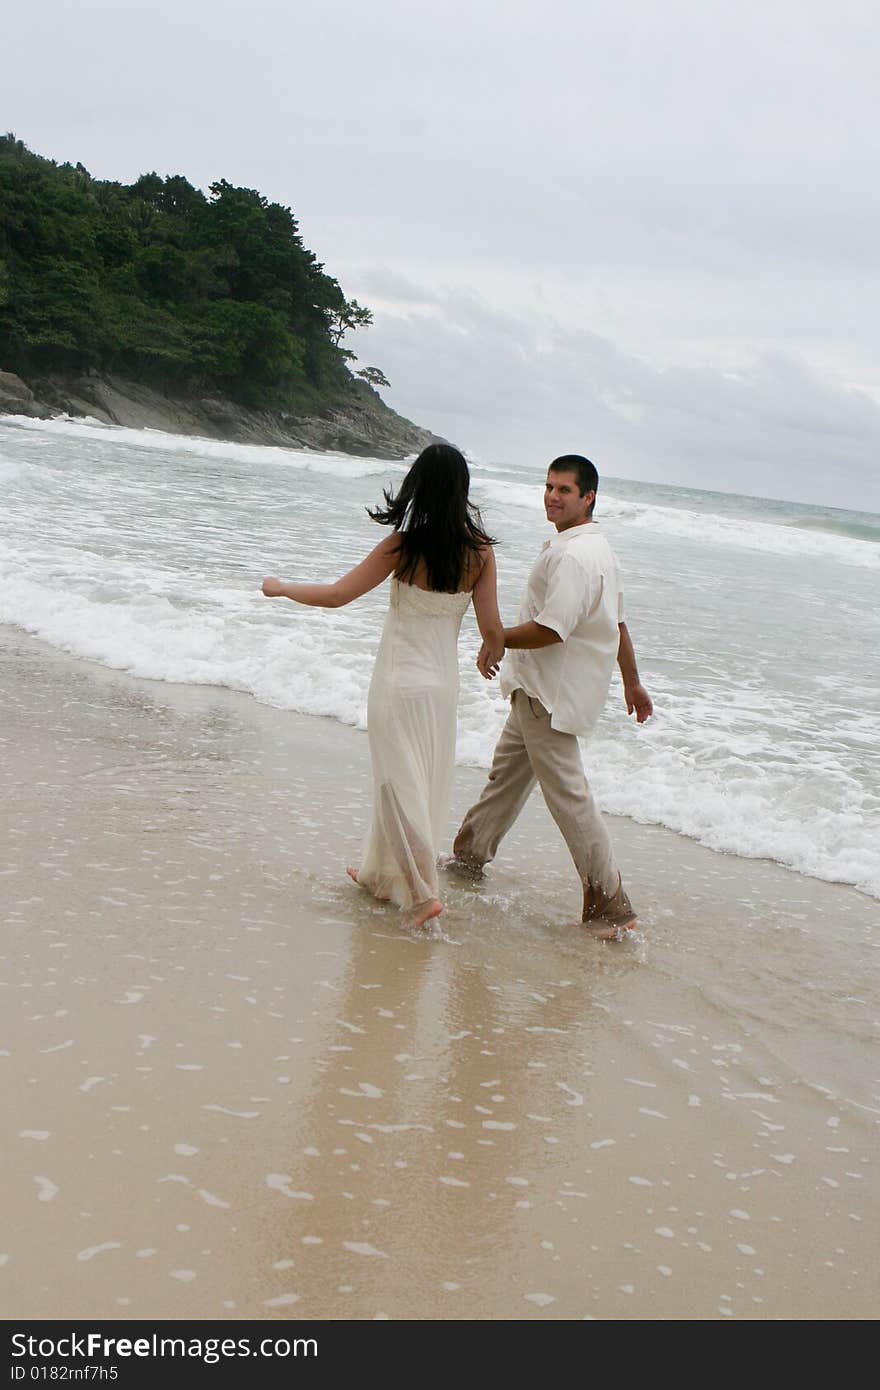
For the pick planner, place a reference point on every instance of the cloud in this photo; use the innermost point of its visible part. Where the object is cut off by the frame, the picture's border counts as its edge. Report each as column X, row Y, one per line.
column 650, row 225
column 523, row 386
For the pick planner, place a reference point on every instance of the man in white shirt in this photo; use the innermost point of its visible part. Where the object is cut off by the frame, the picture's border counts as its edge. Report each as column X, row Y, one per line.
column 570, row 632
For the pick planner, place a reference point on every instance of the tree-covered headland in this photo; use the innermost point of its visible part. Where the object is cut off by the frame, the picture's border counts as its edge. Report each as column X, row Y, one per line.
column 157, row 282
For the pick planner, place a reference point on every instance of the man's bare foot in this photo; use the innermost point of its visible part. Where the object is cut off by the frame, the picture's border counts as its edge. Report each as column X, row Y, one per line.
column 609, row 931
column 422, row 912
column 608, row 917
column 464, row 868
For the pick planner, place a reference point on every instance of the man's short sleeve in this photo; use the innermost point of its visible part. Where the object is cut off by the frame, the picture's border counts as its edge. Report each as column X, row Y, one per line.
column 568, row 595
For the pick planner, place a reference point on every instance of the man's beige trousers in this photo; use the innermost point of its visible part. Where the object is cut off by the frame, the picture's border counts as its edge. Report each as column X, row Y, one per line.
column 529, row 751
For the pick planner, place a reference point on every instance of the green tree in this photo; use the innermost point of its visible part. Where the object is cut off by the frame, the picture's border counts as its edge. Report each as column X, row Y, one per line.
column 373, row 376
column 346, row 317
column 158, row 280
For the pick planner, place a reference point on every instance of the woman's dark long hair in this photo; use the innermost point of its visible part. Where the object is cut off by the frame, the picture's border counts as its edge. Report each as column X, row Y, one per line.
column 435, row 522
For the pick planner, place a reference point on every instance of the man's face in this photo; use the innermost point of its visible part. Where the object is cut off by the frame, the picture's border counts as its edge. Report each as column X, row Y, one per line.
column 563, row 503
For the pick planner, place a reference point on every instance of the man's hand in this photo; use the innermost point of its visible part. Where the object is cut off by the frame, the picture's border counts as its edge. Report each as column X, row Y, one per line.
column 489, row 659
column 272, row 587
column 638, row 702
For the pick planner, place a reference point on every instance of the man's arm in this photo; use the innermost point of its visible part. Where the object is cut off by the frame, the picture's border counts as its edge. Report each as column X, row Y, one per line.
column 526, row 637
column 638, row 700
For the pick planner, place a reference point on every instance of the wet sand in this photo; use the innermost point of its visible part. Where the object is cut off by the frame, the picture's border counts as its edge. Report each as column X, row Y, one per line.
column 235, row 1088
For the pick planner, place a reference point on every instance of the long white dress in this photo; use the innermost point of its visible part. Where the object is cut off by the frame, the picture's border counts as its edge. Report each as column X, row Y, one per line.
column 411, row 722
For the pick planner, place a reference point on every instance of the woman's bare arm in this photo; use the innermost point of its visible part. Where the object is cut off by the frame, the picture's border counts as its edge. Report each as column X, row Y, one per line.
column 366, row 576
column 485, row 595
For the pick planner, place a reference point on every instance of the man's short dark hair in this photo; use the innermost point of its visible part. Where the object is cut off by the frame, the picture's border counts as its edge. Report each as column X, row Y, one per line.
column 587, row 477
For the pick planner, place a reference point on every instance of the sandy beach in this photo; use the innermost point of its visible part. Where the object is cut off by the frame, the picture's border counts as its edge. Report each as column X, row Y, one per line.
column 235, row 1088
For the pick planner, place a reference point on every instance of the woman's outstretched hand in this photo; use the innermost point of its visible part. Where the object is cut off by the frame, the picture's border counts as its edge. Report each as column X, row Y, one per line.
column 272, row 587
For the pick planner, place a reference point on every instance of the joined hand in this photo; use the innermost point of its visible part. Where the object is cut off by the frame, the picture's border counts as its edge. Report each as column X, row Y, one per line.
column 489, row 659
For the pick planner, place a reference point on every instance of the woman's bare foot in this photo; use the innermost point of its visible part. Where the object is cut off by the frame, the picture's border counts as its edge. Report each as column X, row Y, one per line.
column 353, row 875
column 422, row 912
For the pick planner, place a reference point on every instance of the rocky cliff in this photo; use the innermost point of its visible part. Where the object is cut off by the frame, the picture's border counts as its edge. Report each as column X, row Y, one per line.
column 360, row 424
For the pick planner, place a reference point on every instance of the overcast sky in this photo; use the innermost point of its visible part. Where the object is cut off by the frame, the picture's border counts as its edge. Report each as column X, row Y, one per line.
column 644, row 231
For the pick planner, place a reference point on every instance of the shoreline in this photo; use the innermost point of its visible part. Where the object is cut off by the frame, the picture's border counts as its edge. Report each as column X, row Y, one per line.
column 239, row 1090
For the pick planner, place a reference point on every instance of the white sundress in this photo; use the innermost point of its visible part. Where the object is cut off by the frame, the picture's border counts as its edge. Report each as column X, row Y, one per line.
column 411, row 724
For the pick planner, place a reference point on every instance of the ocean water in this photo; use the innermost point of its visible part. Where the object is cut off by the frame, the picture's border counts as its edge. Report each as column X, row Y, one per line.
column 756, row 623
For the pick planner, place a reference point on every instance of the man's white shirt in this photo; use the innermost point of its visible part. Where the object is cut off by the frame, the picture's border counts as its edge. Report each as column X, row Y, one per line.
column 575, row 589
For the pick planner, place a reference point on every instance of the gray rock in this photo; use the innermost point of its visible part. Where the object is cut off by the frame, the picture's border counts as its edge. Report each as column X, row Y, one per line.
column 360, row 424
column 17, row 398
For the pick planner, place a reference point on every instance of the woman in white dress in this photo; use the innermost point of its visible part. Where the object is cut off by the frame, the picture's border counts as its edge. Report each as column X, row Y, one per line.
column 439, row 559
